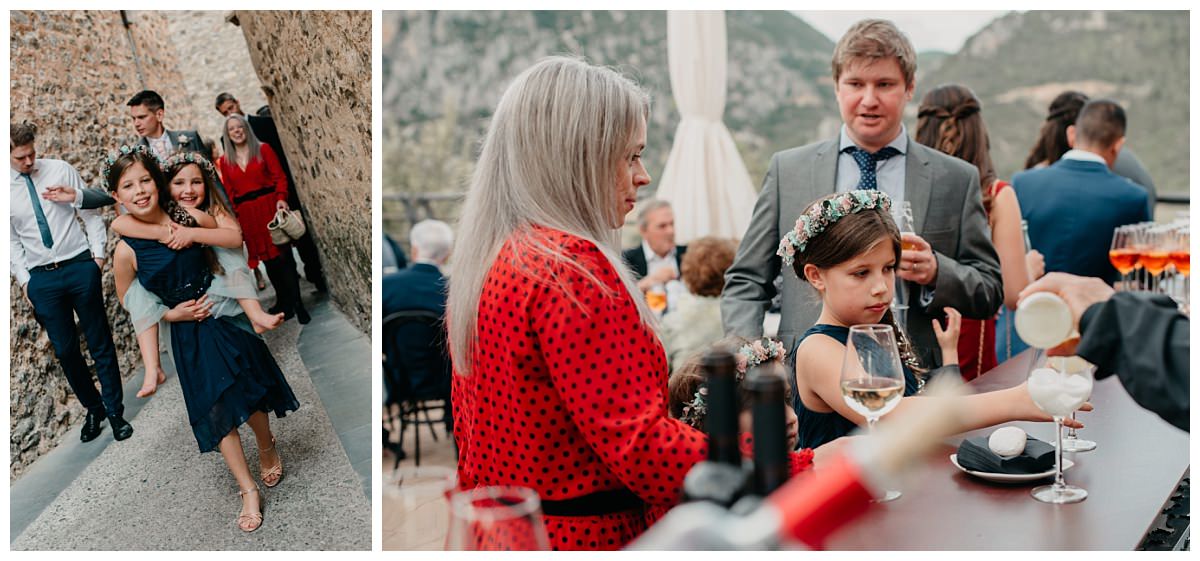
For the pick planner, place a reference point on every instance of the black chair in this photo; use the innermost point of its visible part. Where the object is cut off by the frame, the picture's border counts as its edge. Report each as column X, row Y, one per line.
column 417, row 375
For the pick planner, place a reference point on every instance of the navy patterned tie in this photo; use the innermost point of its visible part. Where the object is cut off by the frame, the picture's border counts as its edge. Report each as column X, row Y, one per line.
column 43, row 226
column 866, row 163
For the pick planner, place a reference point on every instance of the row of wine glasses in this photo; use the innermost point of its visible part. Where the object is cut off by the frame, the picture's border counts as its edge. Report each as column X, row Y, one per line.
column 428, row 512
column 1154, row 257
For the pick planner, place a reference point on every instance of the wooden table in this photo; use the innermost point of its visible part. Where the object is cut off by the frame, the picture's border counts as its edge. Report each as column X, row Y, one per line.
column 1138, row 461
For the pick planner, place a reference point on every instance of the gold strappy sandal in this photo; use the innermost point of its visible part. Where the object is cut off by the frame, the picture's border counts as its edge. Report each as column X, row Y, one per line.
column 271, row 476
column 256, row 518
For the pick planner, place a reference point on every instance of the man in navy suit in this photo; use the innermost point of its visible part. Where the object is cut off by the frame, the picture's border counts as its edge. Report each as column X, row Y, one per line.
column 421, row 286
column 416, row 361
column 1074, row 205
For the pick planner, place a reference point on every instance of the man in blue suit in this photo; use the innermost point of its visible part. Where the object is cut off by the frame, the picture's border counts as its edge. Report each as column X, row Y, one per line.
column 421, row 286
column 1074, row 205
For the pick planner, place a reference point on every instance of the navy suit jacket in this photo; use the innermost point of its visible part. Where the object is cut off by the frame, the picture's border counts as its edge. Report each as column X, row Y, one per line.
column 420, row 286
column 1072, row 208
column 417, row 364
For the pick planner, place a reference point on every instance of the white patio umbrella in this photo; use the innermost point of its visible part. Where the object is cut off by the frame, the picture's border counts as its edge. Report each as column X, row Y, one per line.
column 704, row 179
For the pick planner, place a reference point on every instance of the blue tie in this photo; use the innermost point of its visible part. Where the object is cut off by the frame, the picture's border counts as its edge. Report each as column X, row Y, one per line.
column 43, row 226
column 866, row 163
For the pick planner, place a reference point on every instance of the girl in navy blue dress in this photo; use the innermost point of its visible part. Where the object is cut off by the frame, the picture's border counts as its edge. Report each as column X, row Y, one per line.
column 226, row 373
column 847, row 247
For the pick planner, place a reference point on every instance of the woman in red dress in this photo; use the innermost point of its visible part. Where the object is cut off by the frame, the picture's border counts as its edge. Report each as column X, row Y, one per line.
column 560, row 378
column 257, row 188
column 949, row 121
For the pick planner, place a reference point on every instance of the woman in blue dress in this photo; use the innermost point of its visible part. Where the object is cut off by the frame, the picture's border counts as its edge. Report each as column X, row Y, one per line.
column 226, row 373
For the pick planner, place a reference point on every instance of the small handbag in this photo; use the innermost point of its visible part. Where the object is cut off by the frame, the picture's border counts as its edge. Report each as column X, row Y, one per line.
column 288, row 225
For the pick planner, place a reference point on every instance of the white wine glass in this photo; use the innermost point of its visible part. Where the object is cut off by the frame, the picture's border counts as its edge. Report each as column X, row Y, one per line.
column 872, row 376
column 1059, row 394
column 903, row 217
column 1074, row 365
column 499, row 518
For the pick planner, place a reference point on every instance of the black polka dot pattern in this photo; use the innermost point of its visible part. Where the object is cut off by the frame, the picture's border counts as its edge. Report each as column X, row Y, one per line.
column 568, row 395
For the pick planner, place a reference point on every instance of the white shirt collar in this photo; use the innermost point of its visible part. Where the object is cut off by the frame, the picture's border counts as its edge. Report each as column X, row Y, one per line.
column 1084, row 156
column 900, row 143
column 650, row 255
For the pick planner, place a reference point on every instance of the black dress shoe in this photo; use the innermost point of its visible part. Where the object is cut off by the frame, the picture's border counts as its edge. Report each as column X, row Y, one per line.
column 91, row 427
column 274, row 309
column 302, row 315
column 120, row 427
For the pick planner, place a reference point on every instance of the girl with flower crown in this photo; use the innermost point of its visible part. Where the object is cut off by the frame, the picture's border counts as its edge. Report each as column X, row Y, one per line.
column 847, row 247
column 192, row 185
column 688, row 395
column 226, row 372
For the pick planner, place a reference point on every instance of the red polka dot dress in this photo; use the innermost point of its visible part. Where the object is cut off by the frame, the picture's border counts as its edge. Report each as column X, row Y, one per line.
column 568, row 394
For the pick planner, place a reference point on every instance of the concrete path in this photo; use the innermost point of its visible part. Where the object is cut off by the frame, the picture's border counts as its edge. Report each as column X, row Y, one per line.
column 156, row 491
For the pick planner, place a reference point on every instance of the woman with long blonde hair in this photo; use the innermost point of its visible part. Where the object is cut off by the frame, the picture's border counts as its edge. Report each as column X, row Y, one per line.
column 561, row 380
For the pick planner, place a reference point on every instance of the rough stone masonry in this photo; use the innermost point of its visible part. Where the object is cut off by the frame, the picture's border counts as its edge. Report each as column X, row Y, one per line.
column 315, row 68
column 75, row 90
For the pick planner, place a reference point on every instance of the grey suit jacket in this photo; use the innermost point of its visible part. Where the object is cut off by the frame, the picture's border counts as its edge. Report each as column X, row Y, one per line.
column 947, row 212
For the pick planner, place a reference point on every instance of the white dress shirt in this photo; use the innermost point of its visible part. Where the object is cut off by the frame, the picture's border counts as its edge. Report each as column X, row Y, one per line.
column 654, row 262
column 161, row 146
column 889, row 173
column 26, row 249
column 1084, row 156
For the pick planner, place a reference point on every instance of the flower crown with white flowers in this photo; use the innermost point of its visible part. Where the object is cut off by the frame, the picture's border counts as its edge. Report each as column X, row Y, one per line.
column 125, row 150
column 820, row 216
column 747, row 356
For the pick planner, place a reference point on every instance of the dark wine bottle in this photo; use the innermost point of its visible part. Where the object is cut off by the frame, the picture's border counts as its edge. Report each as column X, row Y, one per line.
column 721, row 478
column 766, row 388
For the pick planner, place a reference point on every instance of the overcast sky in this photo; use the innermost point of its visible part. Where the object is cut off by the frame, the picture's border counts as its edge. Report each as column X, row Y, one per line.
column 942, row 31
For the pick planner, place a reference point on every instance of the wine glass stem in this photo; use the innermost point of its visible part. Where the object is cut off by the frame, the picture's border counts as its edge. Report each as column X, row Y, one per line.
column 871, row 424
column 1071, row 429
column 1058, row 454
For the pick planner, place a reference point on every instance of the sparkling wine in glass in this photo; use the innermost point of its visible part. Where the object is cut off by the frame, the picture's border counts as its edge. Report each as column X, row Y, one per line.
column 1059, row 394
column 500, row 518
column 1122, row 255
column 872, row 376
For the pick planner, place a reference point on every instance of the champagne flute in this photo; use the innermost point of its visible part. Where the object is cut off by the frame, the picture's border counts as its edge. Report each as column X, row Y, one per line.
column 416, row 513
column 872, row 376
column 1122, row 255
column 501, row 518
column 902, row 215
column 1071, row 442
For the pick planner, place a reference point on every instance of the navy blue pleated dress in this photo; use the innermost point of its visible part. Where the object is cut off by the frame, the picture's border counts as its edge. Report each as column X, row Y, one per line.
column 817, row 428
column 225, row 372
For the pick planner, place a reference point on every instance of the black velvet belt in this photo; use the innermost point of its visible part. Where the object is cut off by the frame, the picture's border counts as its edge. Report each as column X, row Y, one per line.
column 594, row 504
column 262, row 192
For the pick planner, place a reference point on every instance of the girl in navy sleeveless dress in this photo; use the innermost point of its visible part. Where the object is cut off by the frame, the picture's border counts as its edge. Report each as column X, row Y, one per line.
column 847, row 247
column 226, row 373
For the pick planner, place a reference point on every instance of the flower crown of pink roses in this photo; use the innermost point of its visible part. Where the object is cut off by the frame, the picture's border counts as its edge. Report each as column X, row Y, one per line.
column 820, row 216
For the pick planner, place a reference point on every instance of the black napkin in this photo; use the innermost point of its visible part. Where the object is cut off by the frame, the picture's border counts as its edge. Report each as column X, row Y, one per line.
column 974, row 454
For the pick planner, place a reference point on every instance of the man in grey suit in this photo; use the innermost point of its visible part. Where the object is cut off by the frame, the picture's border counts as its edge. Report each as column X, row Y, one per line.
column 952, row 262
column 147, row 109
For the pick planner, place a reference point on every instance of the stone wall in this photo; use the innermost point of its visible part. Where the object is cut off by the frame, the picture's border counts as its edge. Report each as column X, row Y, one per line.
column 76, row 92
column 315, row 68
column 215, row 60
